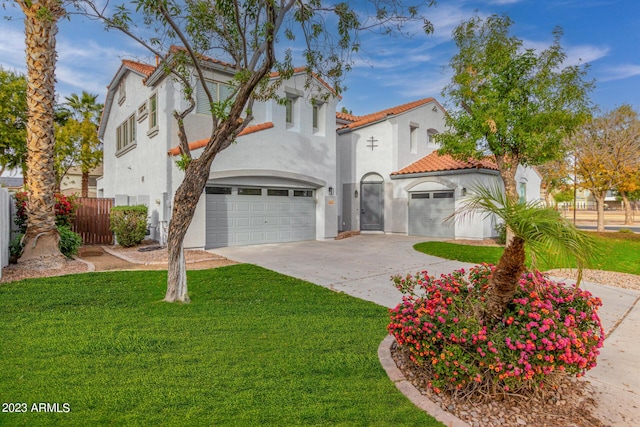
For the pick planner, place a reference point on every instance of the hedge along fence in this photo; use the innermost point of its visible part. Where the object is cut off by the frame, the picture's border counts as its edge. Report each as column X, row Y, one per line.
column 5, row 227
column 129, row 224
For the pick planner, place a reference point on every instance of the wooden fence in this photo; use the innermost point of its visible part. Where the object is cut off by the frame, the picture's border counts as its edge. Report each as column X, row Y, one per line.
column 92, row 221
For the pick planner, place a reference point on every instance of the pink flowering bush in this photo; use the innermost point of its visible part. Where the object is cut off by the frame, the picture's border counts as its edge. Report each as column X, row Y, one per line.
column 549, row 328
column 65, row 209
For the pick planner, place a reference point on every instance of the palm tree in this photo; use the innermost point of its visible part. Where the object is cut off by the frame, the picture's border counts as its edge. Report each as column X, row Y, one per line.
column 86, row 112
column 548, row 235
column 41, row 238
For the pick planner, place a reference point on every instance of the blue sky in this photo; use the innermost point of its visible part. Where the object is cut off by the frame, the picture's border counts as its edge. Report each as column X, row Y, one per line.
column 602, row 33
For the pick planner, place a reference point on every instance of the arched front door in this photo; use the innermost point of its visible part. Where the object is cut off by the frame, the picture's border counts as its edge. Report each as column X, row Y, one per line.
column 372, row 202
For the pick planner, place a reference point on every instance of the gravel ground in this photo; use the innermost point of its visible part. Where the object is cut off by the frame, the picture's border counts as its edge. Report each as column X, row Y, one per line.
column 571, row 405
column 105, row 258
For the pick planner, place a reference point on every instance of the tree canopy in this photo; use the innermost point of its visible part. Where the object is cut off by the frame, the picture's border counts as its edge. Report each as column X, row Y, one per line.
column 13, row 120
column 510, row 101
column 606, row 155
column 77, row 141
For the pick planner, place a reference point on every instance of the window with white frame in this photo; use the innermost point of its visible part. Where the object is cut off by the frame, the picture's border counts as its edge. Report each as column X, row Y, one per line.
column 413, row 138
column 288, row 106
column 431, row 140
column 219, row 92
column 153, row 115
column 122, row 93
column 126, row 134
column 318, row 117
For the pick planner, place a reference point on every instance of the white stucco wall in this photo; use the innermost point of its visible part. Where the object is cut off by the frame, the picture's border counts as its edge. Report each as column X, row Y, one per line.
column 393, row 152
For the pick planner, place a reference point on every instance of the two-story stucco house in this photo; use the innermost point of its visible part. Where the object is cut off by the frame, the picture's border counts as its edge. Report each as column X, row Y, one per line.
column 275, row 184
column 299, row 171
column 394, row 181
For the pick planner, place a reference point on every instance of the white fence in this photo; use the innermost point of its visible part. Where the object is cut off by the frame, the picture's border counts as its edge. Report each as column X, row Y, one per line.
column 5, row 227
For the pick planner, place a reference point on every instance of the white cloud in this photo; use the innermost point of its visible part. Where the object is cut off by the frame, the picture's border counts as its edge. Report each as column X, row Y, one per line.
column 620, row 72
column 12, row 49
column 576, row 55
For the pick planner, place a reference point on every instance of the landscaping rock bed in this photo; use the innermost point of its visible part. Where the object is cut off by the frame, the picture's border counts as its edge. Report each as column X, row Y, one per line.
column 570, row 405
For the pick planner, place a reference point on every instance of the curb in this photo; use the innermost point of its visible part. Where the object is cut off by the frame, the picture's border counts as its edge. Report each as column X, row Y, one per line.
column 408, row 389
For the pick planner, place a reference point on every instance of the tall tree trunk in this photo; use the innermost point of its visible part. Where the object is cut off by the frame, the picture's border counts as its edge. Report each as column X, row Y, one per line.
column 41, row 238
column 508, row 167
column 628, row 210
column 85, row 184
column 504, row 281
column 184, row 206
column 600, row 210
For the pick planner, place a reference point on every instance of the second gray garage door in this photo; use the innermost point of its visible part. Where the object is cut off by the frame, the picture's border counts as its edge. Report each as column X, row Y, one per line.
column 239, row 216
column 427, row 214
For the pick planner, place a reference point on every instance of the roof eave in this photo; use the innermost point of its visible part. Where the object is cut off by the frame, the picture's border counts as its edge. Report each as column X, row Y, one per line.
column 467, row 171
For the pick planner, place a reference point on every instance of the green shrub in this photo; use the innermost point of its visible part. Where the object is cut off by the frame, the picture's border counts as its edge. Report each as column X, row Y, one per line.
column 625, row 231
column 70, row 241
column 548, row 329
column 15, row 247
column 129, row 223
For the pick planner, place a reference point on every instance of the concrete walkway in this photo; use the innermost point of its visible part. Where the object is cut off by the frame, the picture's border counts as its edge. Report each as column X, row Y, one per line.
column 361, row 266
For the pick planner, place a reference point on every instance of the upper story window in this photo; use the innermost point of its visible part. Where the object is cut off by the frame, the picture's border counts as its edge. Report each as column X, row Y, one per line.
column 153, row 115
column 122, row 93
column 318, row 117
column 431, row 140
column 289, row 111
column 413, row 138
column 219, row 92
column 126, row 135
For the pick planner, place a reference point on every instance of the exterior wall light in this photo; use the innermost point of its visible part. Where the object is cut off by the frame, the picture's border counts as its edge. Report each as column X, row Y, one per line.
column 330, row 191
column 355, row 194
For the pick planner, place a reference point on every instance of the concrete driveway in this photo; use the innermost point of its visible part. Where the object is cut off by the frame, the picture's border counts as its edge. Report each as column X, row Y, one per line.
column 360, row 266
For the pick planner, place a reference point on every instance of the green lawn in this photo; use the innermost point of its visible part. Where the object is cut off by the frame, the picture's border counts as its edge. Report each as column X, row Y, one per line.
column 616, row 252
column 253, row 348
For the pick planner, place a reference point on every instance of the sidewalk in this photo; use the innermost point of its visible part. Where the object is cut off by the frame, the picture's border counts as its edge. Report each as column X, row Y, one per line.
column 617, row 376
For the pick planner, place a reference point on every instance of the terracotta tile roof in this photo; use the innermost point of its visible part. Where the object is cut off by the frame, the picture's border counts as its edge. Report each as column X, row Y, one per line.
column 140, row 67
column 347, row 117
column 203, row 142
column 175, row 48
column 381, row 115
column 439, row 163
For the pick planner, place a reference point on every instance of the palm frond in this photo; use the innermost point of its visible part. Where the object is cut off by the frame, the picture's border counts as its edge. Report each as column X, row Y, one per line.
column 549, row 236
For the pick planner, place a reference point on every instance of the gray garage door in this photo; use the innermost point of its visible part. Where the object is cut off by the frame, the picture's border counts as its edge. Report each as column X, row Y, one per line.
column 427, row 214
column 239, row 216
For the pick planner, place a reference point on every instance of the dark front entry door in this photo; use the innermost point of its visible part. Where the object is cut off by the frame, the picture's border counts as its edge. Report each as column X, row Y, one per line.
column 371, row 206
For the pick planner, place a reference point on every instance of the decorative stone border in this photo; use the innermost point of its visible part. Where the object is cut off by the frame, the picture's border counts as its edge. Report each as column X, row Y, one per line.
column 408, row 389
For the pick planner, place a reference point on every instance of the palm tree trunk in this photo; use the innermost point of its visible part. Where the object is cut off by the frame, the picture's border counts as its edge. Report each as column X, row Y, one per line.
column 41, row 238
column 504, row 281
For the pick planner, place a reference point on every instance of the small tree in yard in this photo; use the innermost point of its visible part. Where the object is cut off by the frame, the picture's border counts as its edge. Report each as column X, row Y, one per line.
column 243, row 33
column 511, row 102
column 497, row 331
column 518, row 106
column 606, row 153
